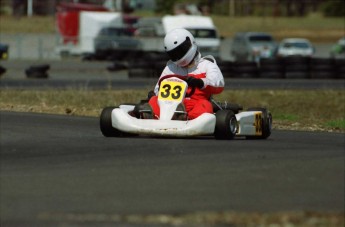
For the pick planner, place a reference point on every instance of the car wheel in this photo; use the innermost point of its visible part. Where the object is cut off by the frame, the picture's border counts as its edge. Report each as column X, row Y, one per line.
column 266, row 123
column 2, row 70
column 226, row 125
column 106, row 123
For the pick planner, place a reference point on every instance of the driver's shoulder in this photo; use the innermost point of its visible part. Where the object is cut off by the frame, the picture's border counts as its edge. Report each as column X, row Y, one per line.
column 208, row 58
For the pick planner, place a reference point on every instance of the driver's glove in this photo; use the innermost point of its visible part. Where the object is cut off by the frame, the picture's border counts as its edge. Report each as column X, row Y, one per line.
column 194, row 82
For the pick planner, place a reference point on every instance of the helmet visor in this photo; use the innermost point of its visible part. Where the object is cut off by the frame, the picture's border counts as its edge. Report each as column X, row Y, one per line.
column 180, row 51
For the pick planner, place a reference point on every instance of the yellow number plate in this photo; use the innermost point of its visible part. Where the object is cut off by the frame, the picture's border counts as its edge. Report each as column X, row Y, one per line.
column 258, row 124
column 172, row 91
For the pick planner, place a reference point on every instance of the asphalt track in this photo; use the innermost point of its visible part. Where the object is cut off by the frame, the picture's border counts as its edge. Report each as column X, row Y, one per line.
column 54, row 167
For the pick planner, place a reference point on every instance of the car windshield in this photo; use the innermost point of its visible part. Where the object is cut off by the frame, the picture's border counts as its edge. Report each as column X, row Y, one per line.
column 260, row 38
column 296, row 45
column 203, row 33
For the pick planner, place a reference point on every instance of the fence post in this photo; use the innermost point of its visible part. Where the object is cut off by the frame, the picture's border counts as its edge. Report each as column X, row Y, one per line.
column 40, row 48
column 19, row 46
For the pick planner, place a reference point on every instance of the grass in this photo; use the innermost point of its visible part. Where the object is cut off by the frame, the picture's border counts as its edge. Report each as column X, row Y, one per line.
column 314, row 27
column 321, row 110
column 222, row 218
column 35, row 24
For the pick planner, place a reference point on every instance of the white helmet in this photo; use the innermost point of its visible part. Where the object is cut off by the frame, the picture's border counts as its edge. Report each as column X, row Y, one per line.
column 180, row 46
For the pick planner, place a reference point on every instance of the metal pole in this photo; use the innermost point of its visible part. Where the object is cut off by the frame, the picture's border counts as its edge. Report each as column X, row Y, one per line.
column 231, row 8
column 40, row 48
column 19, row 46
column 29, row 10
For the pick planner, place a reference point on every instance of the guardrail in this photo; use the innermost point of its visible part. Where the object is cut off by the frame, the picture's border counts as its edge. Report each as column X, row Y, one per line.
column 294, row 67
column 152, row 65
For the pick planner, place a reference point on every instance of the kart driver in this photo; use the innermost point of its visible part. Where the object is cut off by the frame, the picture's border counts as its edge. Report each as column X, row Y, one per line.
column 202, row 75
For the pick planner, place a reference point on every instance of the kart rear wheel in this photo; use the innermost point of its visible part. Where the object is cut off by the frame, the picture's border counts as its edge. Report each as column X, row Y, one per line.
column 266, row 123
column 106, row 125
column 226, row 125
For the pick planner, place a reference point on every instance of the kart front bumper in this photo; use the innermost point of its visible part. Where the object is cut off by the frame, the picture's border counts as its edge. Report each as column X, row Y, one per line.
column 203, row 125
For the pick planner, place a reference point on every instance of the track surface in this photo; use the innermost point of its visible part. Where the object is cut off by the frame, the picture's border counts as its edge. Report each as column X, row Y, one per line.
column 62, row 165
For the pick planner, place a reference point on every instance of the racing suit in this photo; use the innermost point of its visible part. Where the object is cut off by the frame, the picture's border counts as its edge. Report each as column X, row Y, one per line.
column 198, row 102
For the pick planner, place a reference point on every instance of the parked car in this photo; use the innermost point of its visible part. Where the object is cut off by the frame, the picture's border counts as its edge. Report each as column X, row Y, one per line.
column 115, row 41
column 3, row 51
column 251, row 46
column 295, row 47
column 338, row 49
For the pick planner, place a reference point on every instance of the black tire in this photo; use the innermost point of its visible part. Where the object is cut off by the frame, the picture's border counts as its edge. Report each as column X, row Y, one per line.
column 323, row 75
column 141, row 73
column 226, row 67
column 44, row 67
column 296, row 60
column 141, row 69
column 226, row 125
column 270, row 61
column 245, row 72
column 106, row 123
column 271, row 68
column 296, row 68
column 297, row 75
column 159, row 67
column 37, row 71
column 266, row 123
column 322, row 68
column 340, row 73
column 33, row 74
column 340, row 68
column 272, row 75
column 2, row 70
column 321, row 61
column 117, row 65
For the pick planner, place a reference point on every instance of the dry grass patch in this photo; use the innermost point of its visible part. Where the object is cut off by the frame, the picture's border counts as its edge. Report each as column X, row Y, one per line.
column 35, row 24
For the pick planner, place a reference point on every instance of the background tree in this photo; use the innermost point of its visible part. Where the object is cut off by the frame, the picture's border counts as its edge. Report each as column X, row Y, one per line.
column 333, row 8
column 165, row 6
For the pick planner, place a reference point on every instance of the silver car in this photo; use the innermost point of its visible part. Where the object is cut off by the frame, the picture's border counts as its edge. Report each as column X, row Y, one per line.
column 252, row 46
column 295, row 47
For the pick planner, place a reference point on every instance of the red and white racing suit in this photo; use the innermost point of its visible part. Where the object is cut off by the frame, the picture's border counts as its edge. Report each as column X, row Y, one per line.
column 198, row 103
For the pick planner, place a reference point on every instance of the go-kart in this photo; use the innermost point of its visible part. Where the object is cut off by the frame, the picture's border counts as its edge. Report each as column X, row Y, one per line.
column 227, row 121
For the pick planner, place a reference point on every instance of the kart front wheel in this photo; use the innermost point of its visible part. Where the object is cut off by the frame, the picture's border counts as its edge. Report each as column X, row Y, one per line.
column 106, row 125
column 226, row 125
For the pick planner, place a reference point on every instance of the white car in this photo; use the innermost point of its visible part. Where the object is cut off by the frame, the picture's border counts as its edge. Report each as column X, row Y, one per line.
column 295, row 46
